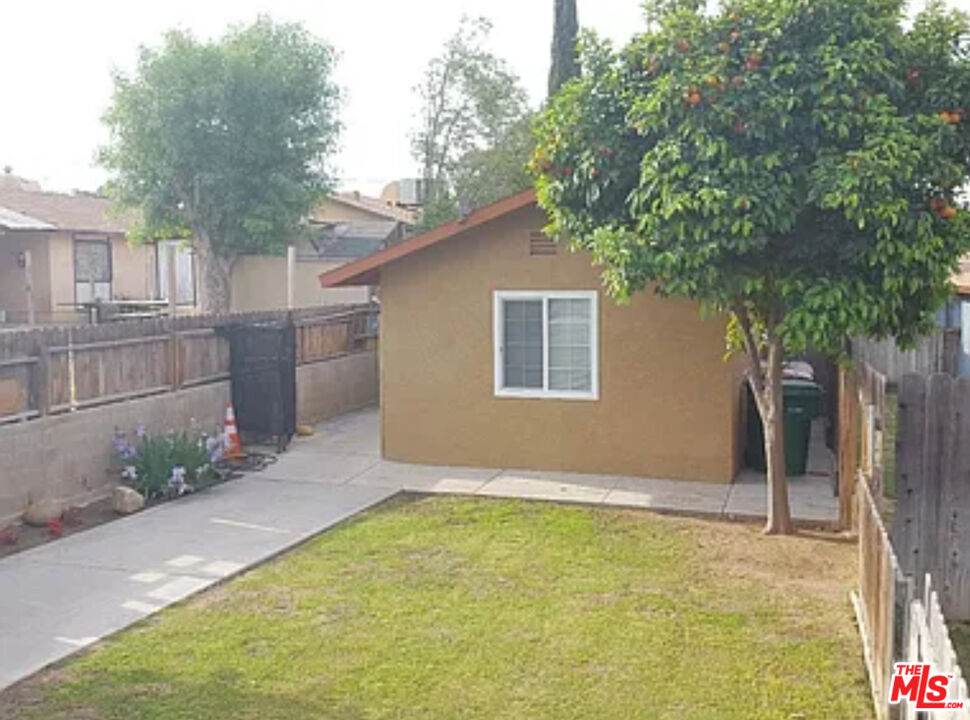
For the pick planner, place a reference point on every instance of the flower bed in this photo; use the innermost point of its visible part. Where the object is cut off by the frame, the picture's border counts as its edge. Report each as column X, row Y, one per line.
column 168, row 465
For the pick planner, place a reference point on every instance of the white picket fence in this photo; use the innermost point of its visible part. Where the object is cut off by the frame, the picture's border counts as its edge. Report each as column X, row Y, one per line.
column 896, row 625
column 928, row 641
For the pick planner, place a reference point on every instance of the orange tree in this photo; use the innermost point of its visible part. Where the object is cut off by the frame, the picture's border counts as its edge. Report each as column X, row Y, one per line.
column 789, row 163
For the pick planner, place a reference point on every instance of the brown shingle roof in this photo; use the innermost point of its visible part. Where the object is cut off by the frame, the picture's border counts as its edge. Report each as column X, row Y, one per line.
column 67, row 212
column 10, row 220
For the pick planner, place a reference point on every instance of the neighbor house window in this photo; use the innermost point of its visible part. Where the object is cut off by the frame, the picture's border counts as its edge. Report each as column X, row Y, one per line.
column 546, row 344
column 92, row 268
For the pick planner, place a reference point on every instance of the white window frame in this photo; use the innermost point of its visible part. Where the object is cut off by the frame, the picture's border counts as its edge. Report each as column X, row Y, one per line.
column 498, row 341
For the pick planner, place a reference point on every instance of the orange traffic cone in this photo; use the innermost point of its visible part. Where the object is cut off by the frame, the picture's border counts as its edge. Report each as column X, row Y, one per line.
column 233, row 448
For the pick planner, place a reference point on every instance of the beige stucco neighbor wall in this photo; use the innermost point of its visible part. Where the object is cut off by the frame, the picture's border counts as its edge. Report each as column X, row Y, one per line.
column 13, row 298
column 336, row 211
column 668, row 404
column 259, row 283
column 332, row 387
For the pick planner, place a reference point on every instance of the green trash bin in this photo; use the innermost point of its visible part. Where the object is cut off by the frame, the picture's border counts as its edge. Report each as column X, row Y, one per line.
column 802, row 404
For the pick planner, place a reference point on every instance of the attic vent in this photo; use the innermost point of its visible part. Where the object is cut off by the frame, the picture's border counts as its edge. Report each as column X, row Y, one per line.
column 541, row 244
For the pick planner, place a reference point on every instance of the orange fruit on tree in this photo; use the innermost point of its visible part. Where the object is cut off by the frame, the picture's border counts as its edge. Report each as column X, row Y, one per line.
column 948, row 213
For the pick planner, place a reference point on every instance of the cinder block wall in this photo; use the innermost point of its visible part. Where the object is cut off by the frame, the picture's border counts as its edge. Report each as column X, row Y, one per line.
column 69, row 456
column 330, row 388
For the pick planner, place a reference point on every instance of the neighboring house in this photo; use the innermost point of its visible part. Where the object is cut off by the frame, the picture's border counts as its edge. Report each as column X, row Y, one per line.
column 499, row 348
column 79, row 253
column 348, row 206
column 344, row 227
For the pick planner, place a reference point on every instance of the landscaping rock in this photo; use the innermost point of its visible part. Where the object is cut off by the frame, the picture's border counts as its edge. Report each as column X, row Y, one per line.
column 126, row 501
column 41, row 512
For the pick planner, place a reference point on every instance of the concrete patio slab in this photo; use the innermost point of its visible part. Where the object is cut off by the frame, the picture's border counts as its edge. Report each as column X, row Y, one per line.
column 669, row 495
column 425, row 478
column 560, row 487
column 341, row 447
column 810, row 496
column 327, row 467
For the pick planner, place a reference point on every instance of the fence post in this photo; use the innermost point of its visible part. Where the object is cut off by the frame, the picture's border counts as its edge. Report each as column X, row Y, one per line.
column 42, row 374
column 175, row 351
column 848, row 402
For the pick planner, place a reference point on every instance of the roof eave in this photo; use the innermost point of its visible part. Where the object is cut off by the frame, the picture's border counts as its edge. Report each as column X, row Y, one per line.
column 366, row 270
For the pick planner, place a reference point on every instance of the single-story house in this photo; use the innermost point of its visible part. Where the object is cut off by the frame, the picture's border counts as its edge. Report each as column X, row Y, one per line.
column 499, row 348
column 79, row 252
column 343, row 228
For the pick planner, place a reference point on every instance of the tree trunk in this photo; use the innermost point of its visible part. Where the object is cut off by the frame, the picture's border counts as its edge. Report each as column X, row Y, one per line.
column 772, row 417
column 216, row 270
column 764, row 376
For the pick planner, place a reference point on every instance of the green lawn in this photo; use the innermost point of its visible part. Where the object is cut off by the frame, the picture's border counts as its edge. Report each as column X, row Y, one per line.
column 476, row 608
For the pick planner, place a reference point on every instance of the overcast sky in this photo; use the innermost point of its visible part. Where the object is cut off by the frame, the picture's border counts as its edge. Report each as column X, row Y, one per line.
column 56, row 58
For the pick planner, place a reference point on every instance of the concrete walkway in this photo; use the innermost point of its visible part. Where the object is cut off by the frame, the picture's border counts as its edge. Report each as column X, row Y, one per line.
column 68, row 594
column 346, row 451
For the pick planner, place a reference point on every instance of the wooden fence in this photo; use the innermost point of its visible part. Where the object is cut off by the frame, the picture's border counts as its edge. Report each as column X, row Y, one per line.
column 896, row 623
column 938, row 352
column 902, row 615
column 52, row 370
column 885, row 594
column 861, row 420
column 931, row 529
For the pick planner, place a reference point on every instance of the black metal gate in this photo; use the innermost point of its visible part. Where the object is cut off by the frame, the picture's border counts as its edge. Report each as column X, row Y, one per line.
column 263, row 368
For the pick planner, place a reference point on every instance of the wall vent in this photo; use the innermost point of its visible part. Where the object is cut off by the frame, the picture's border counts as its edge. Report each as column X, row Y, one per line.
column 541, row 244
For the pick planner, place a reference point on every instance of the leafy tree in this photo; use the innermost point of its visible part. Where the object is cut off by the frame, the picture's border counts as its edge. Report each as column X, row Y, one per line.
column 565, row 30
column 472, row 144
column 790, row 163
column 224, row 141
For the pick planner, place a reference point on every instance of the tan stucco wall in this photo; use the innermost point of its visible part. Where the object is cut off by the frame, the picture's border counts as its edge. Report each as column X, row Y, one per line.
column 259, row 283
column 668, row 403
column 13, row 297
column 332, row 387
column 133, row 268
column 330, row 210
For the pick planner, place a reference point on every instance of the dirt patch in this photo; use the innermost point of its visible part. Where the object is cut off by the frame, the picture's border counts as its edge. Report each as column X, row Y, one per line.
column 20, row 537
